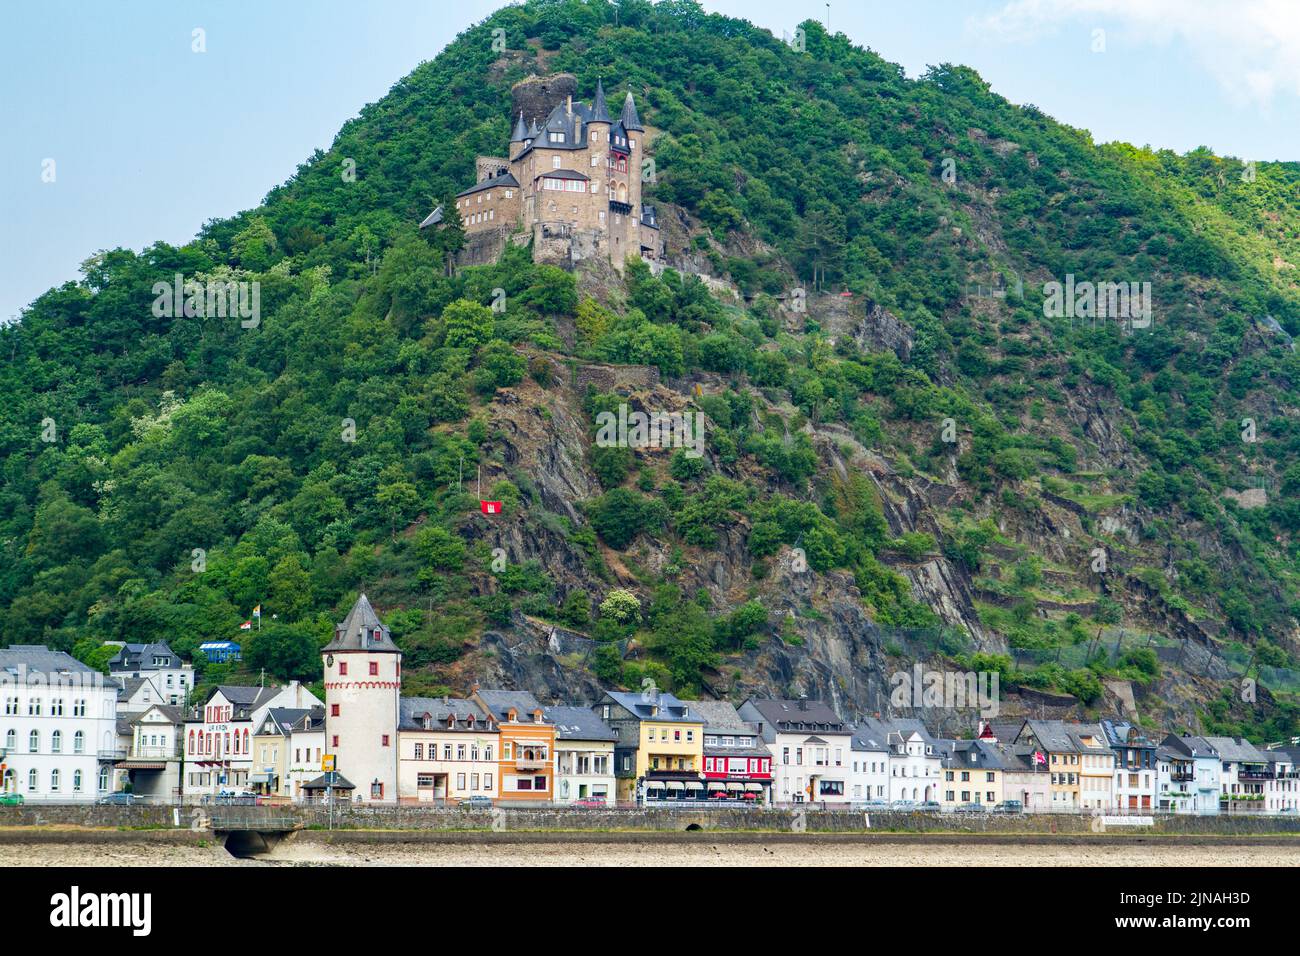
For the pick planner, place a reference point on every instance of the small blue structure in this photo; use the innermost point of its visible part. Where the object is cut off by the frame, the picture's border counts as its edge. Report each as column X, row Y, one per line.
column 220, row 652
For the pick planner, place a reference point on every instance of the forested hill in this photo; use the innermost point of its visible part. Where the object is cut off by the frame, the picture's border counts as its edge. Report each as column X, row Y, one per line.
column 163, row 475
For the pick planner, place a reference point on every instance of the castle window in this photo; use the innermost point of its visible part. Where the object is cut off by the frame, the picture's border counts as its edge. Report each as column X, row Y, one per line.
column 343, row 668
column 492, row 214
column 374, row 668
column 510, row 193
column 595, row 188
column 602, row 217
column 555, row 162
column 632, row 143
column 555, row 137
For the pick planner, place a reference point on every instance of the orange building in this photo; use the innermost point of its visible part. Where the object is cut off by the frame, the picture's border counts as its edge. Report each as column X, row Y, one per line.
column 526, row 758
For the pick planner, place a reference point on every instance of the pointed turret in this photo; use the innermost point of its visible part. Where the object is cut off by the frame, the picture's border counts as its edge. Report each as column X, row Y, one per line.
column 362, row 631
column 521, row 131
column 630, row 120
column 599, row 111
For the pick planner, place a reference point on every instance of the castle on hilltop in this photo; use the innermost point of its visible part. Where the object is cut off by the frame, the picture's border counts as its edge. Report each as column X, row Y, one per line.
column 571, row 184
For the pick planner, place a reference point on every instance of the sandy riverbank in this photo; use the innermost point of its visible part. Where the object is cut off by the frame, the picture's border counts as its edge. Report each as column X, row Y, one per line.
column 649, row 853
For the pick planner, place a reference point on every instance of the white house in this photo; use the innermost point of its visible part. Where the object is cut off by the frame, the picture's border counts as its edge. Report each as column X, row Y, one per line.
column 811, row 749
column 1280, row 793
column 153, row 760
column 584, row 755
column 172, row 677
column 1188, row 773
column 137, row 694
column 447, row 751
column 58, row 729
column 915, row 762
column 869, row 766
column 219, row 735
column 1245, row 774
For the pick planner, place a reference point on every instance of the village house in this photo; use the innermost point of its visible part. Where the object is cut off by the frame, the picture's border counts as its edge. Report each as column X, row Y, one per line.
column 659, row 754
column 58, row 728
column 972, row 773
column 810, row 745
column 1136, row 778
column 1188, row 772
column 737, row 764
column 153, row 760
column 447, row 751
column 287, row 751
column 869, row 766
column 915, row 763
column 363, row 683
column 219, row 735
column 1281, row 794
column 1081, row 765
column 1245, row 774
column 525, row 768
column 584, row 756
column 571, row 184
column 172, row 677
column 136, row 695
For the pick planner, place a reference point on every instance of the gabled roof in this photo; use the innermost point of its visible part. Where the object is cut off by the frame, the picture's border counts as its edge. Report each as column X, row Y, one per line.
column 287, row 720
column 867, row 738
column 141, row 657
column 433, row 219
column 972, row 754
column 578, row 723
column 660, row 706
column 719, row 716
column 362, row 631
column 499, row 703
column 799, row 716
column 1123, row 734
column 501, row 179
column 175, row 715
column 322, row 782
column 561, row 174
column 1237, row 750
column 444, row 713
column 39, row 659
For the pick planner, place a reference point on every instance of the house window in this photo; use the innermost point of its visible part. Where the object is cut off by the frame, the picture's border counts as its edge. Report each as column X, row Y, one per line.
column 555, row 162
column 11, row 740
column 34, row 707
column 487, row 781
column 54, row 781
column 334, row 710
column 56, row 742
column 343, row 668
column 384, row 740
column 419, row 751
column 335, row 740
column 34, row 742
column 76, row 781
column 31, row 781
column 374, row 668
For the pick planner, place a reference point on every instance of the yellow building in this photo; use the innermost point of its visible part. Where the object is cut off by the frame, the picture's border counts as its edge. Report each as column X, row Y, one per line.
column 1081, row 764
column 659, row 755
column 972, row 774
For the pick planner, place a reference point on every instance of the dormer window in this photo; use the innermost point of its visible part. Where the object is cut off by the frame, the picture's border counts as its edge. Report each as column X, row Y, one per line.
column 555, row 137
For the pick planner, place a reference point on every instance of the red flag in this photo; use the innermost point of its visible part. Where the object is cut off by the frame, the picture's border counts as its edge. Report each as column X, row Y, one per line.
column 490, row 507
column 246, row 626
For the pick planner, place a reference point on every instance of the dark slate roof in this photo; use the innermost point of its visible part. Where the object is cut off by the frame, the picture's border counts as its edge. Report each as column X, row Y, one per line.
column 140, row 657
column 175, row 714
column 972, row 755
column 39, row 659
column 284, row 720
column 1238, row 750
column 800, row 716
column 578, row 723
column 629, row 120
column 506, row 178
column 562, row 174
column 130, row 685
column 868, row 738
column 322, row 782
column 669, row 708
column 499, row 702
column 1186, row 745
column 411, row 712
column 357, row 632
column 1006, row 731
column 1123, row 734
column 599, row 111
column 521, row 131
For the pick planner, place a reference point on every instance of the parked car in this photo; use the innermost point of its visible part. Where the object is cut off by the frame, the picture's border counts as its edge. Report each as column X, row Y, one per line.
column 590, row 803
column 1009, row 806
column 971, row 808
column 903, row 805
column 11, row 799
column 476, row 802
column 929, row 805
column 122, row 799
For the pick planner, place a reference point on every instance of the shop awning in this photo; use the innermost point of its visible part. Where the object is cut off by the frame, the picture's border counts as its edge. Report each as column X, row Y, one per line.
column 675, row 785
column 754, row 787
column 654, row 785
column 735, row 786
column 694, row 785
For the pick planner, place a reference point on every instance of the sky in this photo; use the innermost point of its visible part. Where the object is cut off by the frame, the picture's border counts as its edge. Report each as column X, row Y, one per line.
column 119, row 131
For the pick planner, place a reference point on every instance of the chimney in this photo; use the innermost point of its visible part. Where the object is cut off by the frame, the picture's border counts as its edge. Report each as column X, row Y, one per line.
column 803, row 701
column 568, row 104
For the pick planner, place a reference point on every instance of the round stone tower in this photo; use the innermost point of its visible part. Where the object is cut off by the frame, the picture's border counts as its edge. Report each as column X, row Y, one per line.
column 363, row 685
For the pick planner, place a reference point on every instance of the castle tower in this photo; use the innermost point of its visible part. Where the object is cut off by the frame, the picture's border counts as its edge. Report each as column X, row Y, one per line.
column 363, row 684
column 519, row 138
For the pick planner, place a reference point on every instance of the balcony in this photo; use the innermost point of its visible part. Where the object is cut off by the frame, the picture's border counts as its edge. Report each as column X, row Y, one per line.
column 1182, row 776
column 622, row 208
column 1254, row 774
column 531, row 763
column 154, row 753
